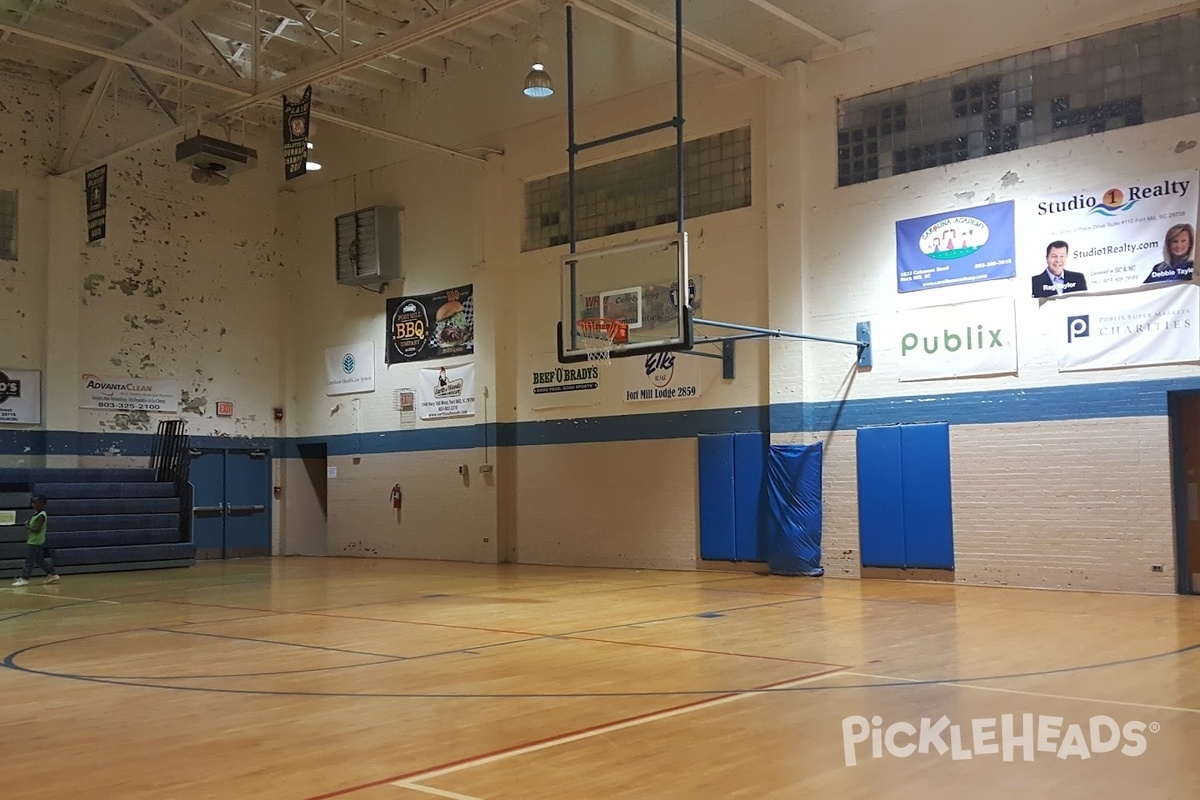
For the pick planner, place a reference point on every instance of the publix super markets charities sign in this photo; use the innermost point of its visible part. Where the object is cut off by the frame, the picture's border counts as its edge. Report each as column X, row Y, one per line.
column 128, row 394
column 955, row 341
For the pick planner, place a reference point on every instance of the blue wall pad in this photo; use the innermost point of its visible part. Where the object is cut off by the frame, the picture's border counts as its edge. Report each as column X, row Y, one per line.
column 880, row 497
column 794, row 509
column 749, row 464
column 717, row 518
column 928, row 517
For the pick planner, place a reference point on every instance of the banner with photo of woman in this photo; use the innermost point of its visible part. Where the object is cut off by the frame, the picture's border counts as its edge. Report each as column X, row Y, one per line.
column 1112, row 237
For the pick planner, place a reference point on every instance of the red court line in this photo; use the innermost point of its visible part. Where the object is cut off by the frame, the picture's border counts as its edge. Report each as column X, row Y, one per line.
column 548, row 739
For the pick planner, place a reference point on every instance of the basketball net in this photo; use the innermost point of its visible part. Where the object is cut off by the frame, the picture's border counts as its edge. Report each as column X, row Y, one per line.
column 598, row 335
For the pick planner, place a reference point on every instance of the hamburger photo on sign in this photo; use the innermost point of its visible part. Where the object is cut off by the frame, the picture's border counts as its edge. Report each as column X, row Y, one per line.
column 454, row 328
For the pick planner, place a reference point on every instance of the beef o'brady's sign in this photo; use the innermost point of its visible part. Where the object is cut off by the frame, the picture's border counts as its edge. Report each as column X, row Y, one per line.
column 128, row 394
column 1112, row 237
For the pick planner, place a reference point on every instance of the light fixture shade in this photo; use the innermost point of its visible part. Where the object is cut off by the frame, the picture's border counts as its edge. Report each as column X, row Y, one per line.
column 537, row 82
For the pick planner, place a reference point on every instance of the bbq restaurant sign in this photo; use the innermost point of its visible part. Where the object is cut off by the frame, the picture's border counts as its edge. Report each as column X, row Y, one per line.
column 128, row 394
column 20, row 396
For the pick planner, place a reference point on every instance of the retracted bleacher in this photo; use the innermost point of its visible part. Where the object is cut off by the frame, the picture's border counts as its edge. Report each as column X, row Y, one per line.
column 101, row 520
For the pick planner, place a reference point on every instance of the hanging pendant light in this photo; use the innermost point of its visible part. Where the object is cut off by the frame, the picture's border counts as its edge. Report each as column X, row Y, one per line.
column 311, row 164
column 537, row 82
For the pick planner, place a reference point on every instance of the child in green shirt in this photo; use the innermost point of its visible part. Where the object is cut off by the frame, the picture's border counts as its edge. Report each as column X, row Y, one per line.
column 35, row 543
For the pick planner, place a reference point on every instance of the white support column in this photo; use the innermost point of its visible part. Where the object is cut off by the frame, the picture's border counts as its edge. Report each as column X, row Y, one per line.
column 783, row 150
column 60, row 382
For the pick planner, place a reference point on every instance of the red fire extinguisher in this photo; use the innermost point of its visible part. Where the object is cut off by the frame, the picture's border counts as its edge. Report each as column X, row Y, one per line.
column 397, row 497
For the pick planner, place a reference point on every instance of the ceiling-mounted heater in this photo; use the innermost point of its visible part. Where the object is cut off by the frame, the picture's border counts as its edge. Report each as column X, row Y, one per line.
column 368, row 246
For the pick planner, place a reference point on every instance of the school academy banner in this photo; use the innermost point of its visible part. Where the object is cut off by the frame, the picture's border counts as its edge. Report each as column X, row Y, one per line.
column 427, row 326
column 1160, row 326
column 957, row 341
column 446, row 392
column 1113, row 236
column 20, row 396
column 295, row 135
column 966, row 246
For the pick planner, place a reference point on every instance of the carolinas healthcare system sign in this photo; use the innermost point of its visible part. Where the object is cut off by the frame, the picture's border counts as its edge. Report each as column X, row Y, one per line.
column 128, row 394
column 20, row 396
column 967, row 246
column 350, row 369
column 446, row 392
column 1160, row 326
column 1113, row 236
column 957, row 341
column 661, row 376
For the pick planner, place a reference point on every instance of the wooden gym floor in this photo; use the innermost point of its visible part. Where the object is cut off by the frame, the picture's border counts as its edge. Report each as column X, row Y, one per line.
column 387, row 680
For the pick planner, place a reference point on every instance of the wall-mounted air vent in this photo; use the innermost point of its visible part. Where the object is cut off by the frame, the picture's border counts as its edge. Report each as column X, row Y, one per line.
column 368, row 246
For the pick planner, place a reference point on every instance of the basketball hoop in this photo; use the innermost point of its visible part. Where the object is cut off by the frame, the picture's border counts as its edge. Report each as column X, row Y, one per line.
column 599, row 334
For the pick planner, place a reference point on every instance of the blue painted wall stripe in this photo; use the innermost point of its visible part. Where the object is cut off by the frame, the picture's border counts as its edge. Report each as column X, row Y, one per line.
column 1040, row 404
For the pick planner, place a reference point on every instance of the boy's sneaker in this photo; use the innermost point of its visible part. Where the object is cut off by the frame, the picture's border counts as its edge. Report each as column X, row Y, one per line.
column 53, row 578
column 20, row 582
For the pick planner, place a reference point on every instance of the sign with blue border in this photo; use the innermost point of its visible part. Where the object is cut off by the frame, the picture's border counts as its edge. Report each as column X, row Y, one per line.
column 964, row 246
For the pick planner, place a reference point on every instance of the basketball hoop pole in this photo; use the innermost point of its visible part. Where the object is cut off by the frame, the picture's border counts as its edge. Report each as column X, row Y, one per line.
column 863, row 343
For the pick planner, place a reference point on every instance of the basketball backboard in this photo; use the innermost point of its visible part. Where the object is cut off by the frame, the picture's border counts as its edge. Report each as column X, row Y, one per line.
column 643, row 284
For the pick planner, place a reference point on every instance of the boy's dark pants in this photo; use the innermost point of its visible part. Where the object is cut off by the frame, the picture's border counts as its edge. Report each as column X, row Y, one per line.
column 36, row 556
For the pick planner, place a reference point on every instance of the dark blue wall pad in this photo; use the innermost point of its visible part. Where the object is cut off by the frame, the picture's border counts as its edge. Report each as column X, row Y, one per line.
column 928, row 517
column 880, row 497
column 750, row 464
column 718, row 522
column 793, row 509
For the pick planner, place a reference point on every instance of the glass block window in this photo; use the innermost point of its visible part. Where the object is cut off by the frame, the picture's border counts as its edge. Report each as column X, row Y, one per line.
column 8, row 225
column 640, row 191
column 1137, row 74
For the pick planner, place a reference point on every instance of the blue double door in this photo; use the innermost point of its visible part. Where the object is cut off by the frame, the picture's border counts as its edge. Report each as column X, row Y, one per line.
column 231, row 502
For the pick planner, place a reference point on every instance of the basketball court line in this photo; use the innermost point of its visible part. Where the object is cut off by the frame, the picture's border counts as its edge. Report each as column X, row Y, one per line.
column 1046, row 695
column 22, row 591
column 437, row 792
column 574, row 736
column 701, row 650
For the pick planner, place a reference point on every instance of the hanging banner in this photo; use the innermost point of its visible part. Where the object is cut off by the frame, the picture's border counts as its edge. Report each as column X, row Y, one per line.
column 96, row 196
column 967, row 246
column 957, row 341
column 128, row 394
column 350, row 369
column 661, row 376
column 1112, row 236
column 428, row 326
column 20, row 396
column 295, row 135
column 446, row 392
column 553, row 385
column 1127, row 330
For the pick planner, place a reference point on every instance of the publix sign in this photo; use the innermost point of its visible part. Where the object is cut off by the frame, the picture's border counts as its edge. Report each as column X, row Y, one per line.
column 955, row 341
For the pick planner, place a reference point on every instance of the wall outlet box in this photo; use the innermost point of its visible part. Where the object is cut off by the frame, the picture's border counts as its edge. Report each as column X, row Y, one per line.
column 486, row 467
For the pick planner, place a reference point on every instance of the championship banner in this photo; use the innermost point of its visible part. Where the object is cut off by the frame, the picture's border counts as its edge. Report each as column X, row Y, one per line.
column 553, row 385
column 350, row 369
column 1112, row 237
column 1127, row 330
column 428, row 326
column 446, row 392
column 20, row 396
column 295, row 135
column 129, row 394
column 96, row 196
column 661, row 376
column 968, row 246
column 957, row 341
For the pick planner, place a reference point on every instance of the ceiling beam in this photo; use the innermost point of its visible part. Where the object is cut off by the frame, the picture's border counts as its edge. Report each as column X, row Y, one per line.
column 30, row 7
column 621, row 22
column 135, row 44
column 176, row 36
column 85, row 116
column 725, row 51
column 154, row 96
column 795, row 21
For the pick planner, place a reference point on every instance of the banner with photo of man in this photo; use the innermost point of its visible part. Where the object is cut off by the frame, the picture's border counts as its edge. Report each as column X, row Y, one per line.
column 956, row 247
column 427, row 326
column 1131, row 329
column 1112, row 237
